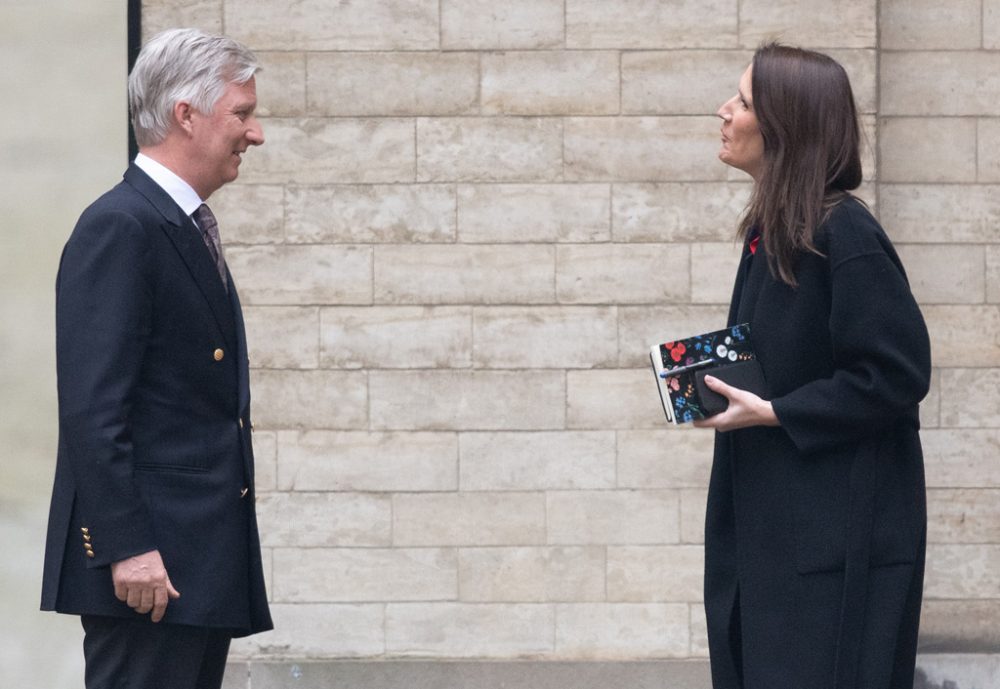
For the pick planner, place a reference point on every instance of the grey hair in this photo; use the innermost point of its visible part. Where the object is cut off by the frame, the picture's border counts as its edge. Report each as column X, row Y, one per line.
column 182, row 65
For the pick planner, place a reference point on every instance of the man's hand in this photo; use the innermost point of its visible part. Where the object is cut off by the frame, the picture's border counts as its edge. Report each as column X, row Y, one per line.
column 142, row 582
column 745, row 409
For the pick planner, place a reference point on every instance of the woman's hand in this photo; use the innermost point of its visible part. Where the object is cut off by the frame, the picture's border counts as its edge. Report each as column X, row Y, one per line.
column 745, row 409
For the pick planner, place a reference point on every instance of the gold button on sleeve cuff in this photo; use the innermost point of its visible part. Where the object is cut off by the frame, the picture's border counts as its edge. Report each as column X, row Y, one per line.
column 218, row 354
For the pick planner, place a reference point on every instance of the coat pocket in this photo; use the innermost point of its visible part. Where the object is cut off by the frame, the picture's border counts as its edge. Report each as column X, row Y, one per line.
column 848, row 505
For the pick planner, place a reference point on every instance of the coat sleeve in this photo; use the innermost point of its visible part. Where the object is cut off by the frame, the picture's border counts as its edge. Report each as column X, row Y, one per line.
column 881, row 350
column 103, row 316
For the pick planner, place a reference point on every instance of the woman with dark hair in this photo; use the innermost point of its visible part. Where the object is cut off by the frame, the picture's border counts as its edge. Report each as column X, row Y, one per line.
column 816, row 518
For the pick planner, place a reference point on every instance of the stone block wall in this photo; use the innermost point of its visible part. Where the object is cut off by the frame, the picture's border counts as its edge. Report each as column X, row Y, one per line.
column 939, row 194
column 470, row 221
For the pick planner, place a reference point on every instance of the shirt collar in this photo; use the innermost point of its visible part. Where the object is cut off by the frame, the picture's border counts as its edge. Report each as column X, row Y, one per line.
column 179, row 190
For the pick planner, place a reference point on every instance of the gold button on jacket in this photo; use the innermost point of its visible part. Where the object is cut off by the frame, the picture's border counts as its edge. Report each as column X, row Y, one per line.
column 218, row 354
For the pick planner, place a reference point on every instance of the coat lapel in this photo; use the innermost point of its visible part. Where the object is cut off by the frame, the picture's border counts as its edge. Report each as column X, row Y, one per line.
column 242, row 353
column 746, row 261
column 186, row 238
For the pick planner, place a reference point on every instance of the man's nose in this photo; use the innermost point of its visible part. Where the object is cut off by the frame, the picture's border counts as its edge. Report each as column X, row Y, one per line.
column 255, row 134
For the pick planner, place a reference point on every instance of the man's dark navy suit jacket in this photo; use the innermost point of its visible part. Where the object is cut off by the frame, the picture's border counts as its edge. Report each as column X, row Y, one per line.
column 154, row 418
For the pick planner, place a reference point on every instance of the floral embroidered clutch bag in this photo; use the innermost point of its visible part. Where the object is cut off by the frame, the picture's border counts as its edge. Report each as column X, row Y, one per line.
column 680, row 367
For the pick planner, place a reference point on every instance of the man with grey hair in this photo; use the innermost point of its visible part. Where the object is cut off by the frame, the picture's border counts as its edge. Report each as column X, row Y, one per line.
column 152, row 535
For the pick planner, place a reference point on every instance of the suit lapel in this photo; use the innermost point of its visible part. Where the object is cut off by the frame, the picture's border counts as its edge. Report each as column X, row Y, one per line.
column 242, row 354
column 187, row 240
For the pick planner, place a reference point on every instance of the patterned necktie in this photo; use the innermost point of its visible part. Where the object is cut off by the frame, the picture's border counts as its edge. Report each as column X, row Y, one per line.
column 210, row 233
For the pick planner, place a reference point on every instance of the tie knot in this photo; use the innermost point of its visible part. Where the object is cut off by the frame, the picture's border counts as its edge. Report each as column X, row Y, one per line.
column 206, row 221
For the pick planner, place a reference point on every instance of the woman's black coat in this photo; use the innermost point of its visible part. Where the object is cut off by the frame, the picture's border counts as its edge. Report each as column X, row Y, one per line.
column 815, row 530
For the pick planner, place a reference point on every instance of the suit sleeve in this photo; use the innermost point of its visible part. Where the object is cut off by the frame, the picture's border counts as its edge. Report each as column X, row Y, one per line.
column 103, row 317
column 881, row 357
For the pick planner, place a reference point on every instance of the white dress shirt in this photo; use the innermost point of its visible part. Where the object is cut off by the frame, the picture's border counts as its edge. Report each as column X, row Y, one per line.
column 179, row 190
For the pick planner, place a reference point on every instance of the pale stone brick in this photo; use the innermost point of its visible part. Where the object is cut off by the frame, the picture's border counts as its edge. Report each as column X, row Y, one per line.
column 966, row 458
column 334, row 25
column 993, row 273
column 940, row 83
column 677, row 212
column 945, row 273
column 302, row 274
column 545, row 337
column 249, row 213
column 930, row 212
column 160, row 15
column 480, row 400
column 694, row 503
column 331, row 575
column 699, row 632
column 331, row 151
column 283, row 336
column 378, row 84
column 474, row 519
column 928, row 149
column 622, row 273
column 310, row 399
column 642, row 149
column 964, row 335
column 396, row 337
column 281, row 85
column 861, row 66
column 567, row 460
column 930, row 406
column 265, row 460
column 970, row 626
column 614, row 517
column 489, row 149
column 991, row 24
column 375, row 213
column 531, row 575
column 613, row 399
column 962, row 571
column 650, row 24
column 550, row 83
column 988, row 151
column 267, row 564
column 641, row 327
column 324, row 519
column 360, row 461
column 680, row 82
column 930, row 24
column 622, row 630
column 513, row 24
column 654, row 574
column 713, row 272
column 484, row 274
column 672, row 458
column 970, row 397
column 456, row 630
column 319, row 630
column 534, row 213
column 870, row 136
column 814, row 23
column 963, row 516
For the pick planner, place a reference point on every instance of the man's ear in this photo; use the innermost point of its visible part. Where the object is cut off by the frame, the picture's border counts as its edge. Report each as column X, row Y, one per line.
column 183, row 115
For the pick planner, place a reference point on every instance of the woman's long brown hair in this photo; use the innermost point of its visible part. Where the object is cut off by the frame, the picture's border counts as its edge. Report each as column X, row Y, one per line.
column 807, row 116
